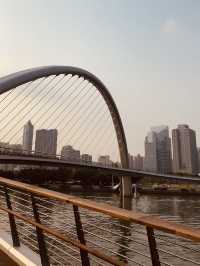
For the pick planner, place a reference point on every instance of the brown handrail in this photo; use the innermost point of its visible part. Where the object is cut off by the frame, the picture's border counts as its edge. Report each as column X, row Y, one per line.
column 126, row 215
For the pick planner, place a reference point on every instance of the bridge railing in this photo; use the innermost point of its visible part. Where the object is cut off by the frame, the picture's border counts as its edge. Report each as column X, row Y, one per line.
column 68, row 230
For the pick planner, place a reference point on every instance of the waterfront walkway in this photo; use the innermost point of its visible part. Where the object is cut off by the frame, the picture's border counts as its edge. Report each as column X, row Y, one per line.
column 5, row 260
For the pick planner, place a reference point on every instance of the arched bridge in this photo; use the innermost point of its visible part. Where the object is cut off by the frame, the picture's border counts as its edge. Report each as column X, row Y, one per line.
column 61, row 115
column 61, row 102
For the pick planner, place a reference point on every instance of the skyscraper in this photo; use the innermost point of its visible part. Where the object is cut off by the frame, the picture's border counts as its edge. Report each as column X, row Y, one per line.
column 158, row 150
column 150, row 160
column 27, row 137
column 164, row 155
column 185, row 158
column 46, row 142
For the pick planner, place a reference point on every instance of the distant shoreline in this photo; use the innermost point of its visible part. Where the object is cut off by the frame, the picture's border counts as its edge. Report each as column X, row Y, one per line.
column 169, row 192
column 142, row 191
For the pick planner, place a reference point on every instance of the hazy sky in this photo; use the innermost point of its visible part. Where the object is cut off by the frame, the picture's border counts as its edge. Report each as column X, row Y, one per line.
column 146, row 52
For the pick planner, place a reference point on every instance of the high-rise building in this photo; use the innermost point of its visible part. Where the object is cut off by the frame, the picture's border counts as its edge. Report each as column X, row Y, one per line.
column 150, row 160
column 46, row 142
column 158, row 150
column 164, row 154
column 27, row 137
column 138, row 162
column 70, row 154
column 87, row 158
column 185, row 158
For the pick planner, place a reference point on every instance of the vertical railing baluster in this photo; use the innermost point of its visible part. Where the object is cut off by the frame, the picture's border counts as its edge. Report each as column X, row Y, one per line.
column 79, row 229
column 152, row 246
column 13, row 226
column 40, row 236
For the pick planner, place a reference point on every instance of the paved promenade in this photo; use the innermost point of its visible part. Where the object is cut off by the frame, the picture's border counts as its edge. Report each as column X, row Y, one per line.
column 5, row 261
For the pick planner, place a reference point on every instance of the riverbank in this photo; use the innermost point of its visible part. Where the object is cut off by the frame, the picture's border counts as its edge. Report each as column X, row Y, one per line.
column 169, row 189
column 173, row 191
column 178, row 192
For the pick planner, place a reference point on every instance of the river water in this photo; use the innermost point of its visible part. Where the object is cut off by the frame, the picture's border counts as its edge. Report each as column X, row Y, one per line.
column 181, row 209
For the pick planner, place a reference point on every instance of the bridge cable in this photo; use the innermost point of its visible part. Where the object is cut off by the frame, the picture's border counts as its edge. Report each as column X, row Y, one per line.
column 90, row 130
column 35, row 105
column 96, row 141
column 58, row 115
column 23, row 108
column 53, row 111
column 76, row 121
column 80, row 107
column 82, row 132
column 13, row 99
column 7, row 94
column 55, row 92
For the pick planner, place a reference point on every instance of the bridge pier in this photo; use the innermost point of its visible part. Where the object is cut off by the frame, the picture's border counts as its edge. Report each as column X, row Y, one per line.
column 126, row 186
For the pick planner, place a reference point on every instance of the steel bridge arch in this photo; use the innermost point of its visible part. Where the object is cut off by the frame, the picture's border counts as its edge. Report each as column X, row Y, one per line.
column 19, row 78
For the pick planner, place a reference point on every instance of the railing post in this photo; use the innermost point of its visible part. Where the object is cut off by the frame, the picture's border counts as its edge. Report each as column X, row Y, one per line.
column 40, row 236
column 13, row 226
column 79, row 229
column 152, row 246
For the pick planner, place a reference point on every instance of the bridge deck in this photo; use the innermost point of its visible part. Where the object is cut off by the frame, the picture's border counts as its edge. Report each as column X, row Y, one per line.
column 5, row 260
column 31, row 160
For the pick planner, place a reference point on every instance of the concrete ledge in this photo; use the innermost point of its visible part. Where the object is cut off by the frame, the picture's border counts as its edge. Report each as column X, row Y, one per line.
column 22, row 255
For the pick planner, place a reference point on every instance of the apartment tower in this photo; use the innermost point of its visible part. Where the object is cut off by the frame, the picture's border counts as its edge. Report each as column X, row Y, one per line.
column 158, row 150
column 185, row 157
column 150, row 160
column 46, row 142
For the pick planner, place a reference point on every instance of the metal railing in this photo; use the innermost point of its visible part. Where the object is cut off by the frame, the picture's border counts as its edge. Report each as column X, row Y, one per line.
column 68, row 230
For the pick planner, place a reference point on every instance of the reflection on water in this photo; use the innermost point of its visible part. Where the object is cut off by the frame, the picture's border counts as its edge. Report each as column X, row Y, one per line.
column 181, row 209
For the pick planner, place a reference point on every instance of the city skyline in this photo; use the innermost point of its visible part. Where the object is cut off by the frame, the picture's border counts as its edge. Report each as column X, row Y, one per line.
column 163, row 130
column 162, row 154
column 154, row 129
column 147, row 57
